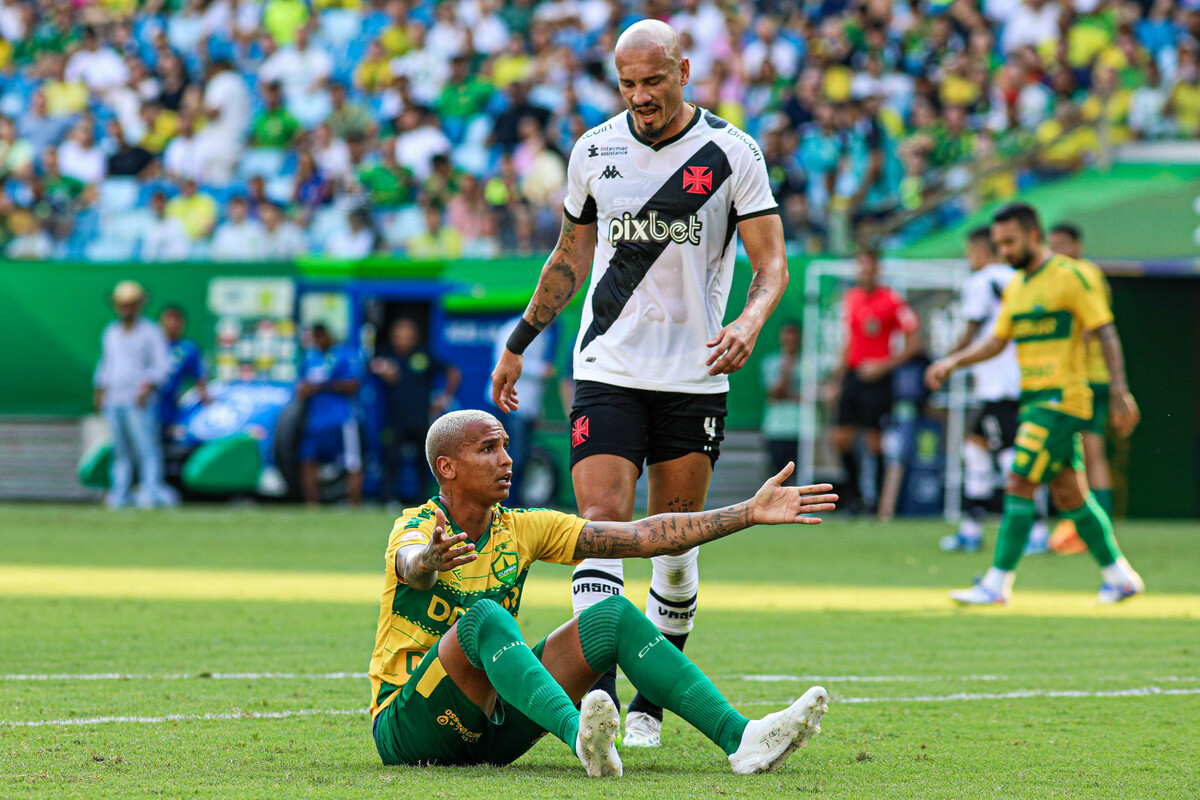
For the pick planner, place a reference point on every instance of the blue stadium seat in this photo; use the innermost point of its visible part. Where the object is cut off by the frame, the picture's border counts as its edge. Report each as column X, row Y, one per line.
column 261, row 161
column 118, row 194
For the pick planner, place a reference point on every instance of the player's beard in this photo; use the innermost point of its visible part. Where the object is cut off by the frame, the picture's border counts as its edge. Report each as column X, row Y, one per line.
column 651, row 133
column 1023, row 261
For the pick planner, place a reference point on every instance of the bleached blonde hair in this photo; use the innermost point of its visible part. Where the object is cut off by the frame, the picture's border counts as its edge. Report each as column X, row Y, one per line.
column 446, row 434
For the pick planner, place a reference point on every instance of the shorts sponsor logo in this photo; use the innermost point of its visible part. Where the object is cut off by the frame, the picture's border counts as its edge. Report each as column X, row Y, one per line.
column 628, row 228
column 579, row 431
column 450, row 720
column 697, row 180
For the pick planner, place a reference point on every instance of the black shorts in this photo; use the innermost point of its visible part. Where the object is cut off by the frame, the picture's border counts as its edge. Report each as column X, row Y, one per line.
column 645, row 426
column 862, row 404
column 997, row 423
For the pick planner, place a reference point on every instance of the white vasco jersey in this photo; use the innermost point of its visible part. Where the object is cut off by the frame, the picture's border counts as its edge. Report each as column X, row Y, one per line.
column 666, row 215
column 997, row 378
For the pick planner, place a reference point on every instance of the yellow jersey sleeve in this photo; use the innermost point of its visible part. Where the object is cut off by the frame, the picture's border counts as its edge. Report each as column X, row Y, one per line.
column 407, row 531
column 1089, row 302
column 550, row 535
column 1002, row 329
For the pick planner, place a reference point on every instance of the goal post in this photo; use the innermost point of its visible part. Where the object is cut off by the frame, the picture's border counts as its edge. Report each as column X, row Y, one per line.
column 932, row 287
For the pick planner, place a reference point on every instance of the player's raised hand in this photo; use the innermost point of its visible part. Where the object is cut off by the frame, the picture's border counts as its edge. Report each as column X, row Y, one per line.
column 1125, row 414
column 446, row 552
column 731, row 347
column 775, row 504
column 504, row 380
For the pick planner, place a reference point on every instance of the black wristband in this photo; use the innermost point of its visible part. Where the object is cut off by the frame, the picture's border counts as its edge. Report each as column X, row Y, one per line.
column 521, row 337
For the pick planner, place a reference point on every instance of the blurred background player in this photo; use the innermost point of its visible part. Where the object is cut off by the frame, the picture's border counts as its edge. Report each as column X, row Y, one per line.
column 329, row 383
column 1047, row 308
column 860, row 389
column 1067, row 239
column 996, row 387
column 409, row 373
column 187, row 366
column 652, row 359
column 133, row 366
column 780, row 373
column 537, row 369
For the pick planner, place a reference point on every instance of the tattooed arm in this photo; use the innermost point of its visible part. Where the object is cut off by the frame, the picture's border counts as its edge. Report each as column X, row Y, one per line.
column 666, row 534
column 733, row 344
column 1124, row 410
column 562, row 276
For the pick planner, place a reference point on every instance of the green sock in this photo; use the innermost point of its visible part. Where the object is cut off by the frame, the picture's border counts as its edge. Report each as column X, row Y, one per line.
column 1014, row 532
column 1096, row 531
column 492, row 642
column 614, row 631
column 1105, row 498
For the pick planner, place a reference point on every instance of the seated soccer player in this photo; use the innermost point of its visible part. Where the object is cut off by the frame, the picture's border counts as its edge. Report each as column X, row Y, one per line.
column 453, row 682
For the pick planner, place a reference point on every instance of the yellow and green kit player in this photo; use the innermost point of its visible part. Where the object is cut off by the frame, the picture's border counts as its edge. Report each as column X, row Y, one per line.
column 452, row 679
column 1067, row 239
column 1047, row 309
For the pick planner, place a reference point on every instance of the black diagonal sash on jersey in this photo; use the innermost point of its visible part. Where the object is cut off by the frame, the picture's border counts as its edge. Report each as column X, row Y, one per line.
column 632, row 260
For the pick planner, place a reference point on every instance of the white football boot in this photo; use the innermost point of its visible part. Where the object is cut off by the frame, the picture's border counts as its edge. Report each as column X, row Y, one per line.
column 768, row 741
column 1123, row 590
column 994, row 588
column 596, row 744
column 641, row 730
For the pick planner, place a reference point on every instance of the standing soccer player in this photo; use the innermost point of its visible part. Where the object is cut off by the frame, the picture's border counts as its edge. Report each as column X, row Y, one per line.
column 1047, row 308
column 1067, row 239
column 655, row 198
column 988, row 448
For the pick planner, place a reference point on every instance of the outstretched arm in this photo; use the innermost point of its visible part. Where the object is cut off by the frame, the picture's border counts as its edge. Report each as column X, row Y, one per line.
column 982, row 350
column 562, row 276
column 1125, row 413
column 667, row 534
column 733, row 344
column 418, row 565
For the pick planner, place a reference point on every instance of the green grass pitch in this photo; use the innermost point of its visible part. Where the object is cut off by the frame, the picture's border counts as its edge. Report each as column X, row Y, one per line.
column 214, row 652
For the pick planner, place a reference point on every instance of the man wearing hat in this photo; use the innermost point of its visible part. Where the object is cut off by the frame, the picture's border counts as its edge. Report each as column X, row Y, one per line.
column 133, row 366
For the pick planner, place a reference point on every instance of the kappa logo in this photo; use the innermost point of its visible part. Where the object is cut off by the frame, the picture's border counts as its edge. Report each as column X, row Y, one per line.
column 610, row 172
column 579, row 432
column 697, row 180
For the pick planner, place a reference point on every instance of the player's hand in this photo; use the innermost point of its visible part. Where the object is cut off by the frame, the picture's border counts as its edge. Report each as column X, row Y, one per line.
column 504, row 380
column 937, row 373
column 1125, row 414
column 731, row 347
column 445, row 552
column 775, row 504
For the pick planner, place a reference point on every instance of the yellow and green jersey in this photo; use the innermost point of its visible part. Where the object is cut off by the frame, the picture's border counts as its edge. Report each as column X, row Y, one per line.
column 1097, row 367
column 1047, row 312
column 411, row 621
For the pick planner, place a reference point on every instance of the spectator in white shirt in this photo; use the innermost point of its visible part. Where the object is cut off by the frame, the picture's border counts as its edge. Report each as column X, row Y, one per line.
column 238, row 238
column 164, row 238
column 1146, row 104
column 227, row 104
column 97, row 65
column 356, row 241
column 79, row 157
column 770, row 46
column 332, row 155
column 448, row 36
column 489, row 33
column 301, row 67
column 419, row 140
column 282, row 240
column 1030, row 24
column 426, row 69
column 184, row 157
column 134, row 363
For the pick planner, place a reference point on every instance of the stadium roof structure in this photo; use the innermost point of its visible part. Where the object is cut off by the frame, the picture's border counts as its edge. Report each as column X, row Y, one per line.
column 1137, row 218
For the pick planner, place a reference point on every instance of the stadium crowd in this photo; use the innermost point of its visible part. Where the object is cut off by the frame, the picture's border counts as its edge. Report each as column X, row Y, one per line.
column 243, row 130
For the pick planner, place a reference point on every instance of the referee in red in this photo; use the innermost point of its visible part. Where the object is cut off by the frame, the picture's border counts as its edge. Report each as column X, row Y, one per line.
column 861, row 387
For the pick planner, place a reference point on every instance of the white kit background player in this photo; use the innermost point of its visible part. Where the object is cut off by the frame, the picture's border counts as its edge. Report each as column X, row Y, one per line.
column 988, row 448
column 655, row 198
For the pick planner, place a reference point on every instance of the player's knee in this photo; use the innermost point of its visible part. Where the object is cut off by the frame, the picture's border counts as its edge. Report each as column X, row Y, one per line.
column 1066, row 496
column 1019, row 486
column 483, row 614
column 614, row 606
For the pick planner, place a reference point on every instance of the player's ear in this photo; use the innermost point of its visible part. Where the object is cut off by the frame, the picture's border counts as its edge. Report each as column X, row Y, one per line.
column 445, row 468
column 685, row 71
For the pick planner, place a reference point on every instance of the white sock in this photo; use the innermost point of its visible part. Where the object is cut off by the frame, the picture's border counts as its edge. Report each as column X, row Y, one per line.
column 1118, row 573
column 999, row 581
column 594, row 580
column 970, row 528
column 671, row 602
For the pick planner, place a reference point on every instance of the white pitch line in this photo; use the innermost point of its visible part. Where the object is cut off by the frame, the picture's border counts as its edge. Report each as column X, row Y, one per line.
column 862, row 678
column 180, row 676
column 230, row 715
column 960, row 697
